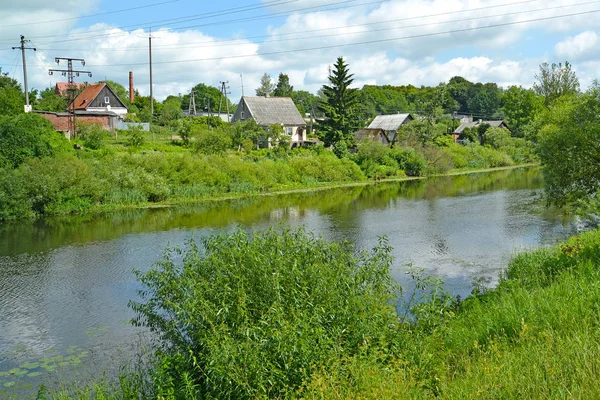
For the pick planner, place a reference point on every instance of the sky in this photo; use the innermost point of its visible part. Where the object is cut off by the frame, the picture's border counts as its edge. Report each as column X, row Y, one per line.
column 394, row 42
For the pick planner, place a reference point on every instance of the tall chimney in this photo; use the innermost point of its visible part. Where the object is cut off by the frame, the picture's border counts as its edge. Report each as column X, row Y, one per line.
column 131, row 96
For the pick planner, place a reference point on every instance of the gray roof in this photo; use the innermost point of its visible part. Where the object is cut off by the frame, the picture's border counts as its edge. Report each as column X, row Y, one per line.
column 372, row 134
column 473, row 124
column 271, row 110
column 389, row 122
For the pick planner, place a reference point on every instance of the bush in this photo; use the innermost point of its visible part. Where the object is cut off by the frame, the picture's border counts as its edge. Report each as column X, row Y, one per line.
column 135, row 136
column 93, row 136
column 26, row 136
column 254, row 315
column 212, row 141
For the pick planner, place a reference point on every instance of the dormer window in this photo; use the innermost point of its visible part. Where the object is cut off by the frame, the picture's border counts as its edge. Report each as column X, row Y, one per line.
column 106, row 100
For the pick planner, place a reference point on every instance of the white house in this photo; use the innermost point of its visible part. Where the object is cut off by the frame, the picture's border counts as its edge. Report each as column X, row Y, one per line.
column 267, row 111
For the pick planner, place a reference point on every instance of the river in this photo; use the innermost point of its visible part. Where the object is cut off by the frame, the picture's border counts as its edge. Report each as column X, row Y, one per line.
column 65, row 282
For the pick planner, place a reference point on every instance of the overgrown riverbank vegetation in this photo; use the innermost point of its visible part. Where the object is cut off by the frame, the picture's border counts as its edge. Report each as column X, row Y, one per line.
column 288, row 315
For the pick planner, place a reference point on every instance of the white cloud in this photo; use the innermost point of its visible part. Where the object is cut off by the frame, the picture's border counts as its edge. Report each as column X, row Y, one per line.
column 580, row 47
column 386, row 56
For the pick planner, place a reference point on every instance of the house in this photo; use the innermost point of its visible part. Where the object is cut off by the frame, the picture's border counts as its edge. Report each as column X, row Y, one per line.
column 468, row 123
column 377, row 135
column 267, row 111
column 390, row 124
column 98, row 97
column 62, row 88
column 96, row 104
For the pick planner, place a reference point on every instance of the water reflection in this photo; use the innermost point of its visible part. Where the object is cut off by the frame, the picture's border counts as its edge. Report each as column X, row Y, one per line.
column 62, row 277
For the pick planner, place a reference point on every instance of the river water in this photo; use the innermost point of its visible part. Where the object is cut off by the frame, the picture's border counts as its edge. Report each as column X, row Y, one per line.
column 65, row 283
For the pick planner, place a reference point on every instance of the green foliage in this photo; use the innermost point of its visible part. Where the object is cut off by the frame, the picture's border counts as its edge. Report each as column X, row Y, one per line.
column 12, row 100
column 339, row 107
column 556, row 80
column 252, row 315
column 212, row 141
column 569, row 147
column 93, row 136
column 283, row 87
column 521, row 107
column 26, row 136
column 379, row 161
column 50, row 101
column 135, row 136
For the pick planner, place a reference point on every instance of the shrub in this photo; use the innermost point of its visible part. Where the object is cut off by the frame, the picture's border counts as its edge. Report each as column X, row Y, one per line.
column 212, row 141
column 92, row 135
column 254, row 315
column 135, row 136
column 26, row 136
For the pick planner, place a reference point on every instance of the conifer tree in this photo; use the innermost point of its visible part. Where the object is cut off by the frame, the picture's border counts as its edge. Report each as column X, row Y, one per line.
column 339, row 106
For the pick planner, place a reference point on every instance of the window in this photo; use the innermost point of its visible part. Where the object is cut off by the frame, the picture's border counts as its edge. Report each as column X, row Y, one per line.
column 289, row 130
column 106, row 100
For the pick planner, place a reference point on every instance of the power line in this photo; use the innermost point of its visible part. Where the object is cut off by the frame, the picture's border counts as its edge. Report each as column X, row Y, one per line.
column 124, row 32
column 210, row 14
column 366, row 42
column 91, row 15
column 219, row 43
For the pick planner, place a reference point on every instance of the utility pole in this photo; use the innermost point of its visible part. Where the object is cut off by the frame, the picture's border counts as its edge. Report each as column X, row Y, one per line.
column 192, row 105
column 70, row 73
column 224, row 93
column 150, row 57
column 23, row 48
column 208, row 117
column 242, row 81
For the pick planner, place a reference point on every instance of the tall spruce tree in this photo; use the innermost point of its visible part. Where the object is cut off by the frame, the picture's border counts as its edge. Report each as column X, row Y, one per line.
column 339, row 106
column 283, row 88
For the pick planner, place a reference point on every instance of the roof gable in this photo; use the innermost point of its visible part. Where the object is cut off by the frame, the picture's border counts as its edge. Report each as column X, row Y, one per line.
column 89, row 94
column 473, row 124
column 272, row 110
column 389, row 122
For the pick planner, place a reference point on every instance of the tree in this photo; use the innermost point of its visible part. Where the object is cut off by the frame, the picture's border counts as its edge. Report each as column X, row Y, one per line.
column 266, row 86
column 340, row 105
column 12, row 100
column 283, row 88
column 521, row 106
column 569, row 147
column 28, row 135
column 556, row 80
column 485, row 99
column 460, row 89
column 50, row 101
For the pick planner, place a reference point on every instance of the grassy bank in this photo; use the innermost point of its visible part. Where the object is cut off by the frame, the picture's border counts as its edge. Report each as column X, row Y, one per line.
column 41, row 174
column 295, row 335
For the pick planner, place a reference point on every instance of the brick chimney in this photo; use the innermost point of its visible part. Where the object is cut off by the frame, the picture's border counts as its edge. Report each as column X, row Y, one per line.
column 131, row 96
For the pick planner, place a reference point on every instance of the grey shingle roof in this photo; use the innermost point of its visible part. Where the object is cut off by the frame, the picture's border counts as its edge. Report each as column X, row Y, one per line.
column 372, row 134
column 465, row 125
column 389, row 122
column 273, row 110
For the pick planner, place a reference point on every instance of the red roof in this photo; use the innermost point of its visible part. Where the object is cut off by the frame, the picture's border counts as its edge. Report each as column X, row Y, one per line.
column 87, row 95
column 62, row 87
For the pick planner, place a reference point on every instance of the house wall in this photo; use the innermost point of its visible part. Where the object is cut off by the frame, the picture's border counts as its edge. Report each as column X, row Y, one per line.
column 61, row 122
column 99, row 102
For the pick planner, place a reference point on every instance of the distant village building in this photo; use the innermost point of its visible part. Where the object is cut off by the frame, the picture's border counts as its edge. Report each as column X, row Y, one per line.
column 96, row 104
column 62, row 88
column 384, row 128
column 267, row 111
column 467, row 122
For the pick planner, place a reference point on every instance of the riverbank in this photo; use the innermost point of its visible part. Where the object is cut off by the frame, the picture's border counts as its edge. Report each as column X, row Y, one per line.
column 536, row 335
column 97, row 182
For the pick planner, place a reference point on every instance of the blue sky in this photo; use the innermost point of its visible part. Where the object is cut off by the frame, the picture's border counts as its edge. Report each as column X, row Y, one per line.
column 419, row 42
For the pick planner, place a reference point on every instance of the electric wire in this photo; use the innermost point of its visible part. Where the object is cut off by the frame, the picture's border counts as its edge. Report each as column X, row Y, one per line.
column 416, row 36
column 228, row 43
